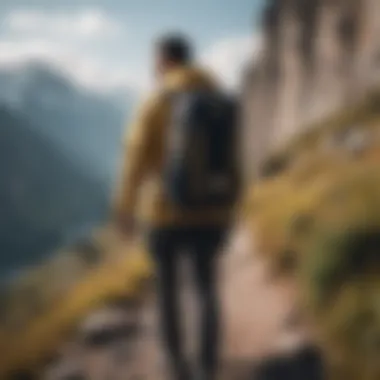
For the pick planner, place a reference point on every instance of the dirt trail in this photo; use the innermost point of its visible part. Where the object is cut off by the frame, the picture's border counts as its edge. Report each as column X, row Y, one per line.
column 253, row 326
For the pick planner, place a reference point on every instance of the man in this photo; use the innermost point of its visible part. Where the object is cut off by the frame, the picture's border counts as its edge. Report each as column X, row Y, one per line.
column 200, row 232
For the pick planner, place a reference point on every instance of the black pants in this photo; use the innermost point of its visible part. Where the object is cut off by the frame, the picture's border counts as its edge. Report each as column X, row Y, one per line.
column 306, row 364
column 202, row 245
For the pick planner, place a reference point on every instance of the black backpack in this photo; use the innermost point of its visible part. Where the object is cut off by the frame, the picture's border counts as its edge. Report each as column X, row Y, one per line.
column 202, row 167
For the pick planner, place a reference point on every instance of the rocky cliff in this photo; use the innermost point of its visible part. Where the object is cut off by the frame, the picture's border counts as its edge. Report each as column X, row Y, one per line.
column 318, row 56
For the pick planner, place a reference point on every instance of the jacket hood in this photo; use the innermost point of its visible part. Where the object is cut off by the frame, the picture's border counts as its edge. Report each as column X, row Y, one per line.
column 188, row 77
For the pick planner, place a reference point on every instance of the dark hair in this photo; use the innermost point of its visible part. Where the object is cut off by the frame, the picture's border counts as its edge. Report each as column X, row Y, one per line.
column 175, row 47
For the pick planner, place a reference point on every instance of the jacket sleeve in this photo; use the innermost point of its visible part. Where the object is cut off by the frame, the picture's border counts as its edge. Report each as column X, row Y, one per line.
column 139, row 145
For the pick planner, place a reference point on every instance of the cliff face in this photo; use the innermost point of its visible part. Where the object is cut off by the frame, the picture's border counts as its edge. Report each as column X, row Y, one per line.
column 319, row 56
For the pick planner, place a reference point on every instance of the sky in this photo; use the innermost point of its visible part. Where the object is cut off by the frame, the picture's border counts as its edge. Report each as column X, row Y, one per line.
column 105, row 45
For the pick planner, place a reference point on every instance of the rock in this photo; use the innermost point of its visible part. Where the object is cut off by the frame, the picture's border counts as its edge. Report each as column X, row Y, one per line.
column 319, row 56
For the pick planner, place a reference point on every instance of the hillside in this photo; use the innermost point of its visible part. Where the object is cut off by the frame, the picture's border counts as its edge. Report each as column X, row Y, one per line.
column 45, row 199
column 85, row 125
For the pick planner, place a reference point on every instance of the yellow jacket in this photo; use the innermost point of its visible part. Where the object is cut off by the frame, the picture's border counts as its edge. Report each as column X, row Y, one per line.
column 141, row 192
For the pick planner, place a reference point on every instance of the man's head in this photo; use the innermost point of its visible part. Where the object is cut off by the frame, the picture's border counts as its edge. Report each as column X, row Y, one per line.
column 172, row 50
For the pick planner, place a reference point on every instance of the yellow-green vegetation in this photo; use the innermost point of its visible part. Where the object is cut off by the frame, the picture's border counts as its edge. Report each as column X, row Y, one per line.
column 124, row 274
column 339, row 271
column 330, row 135
column 316, row 161
column 35, row 291
column 318, row 208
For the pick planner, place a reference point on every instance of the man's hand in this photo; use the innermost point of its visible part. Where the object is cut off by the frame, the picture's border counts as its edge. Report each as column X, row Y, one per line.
column 126, row 225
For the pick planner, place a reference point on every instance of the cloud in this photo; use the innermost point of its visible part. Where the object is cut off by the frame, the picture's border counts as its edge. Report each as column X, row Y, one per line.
column 86, row 24
column 85, row 69
column 66, row 41
column 228, row 58
column 69, row 42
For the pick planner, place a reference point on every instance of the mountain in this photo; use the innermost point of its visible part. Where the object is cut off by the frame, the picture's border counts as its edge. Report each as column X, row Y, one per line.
column 59, row 144
column 44, row 199
column 84, row 124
